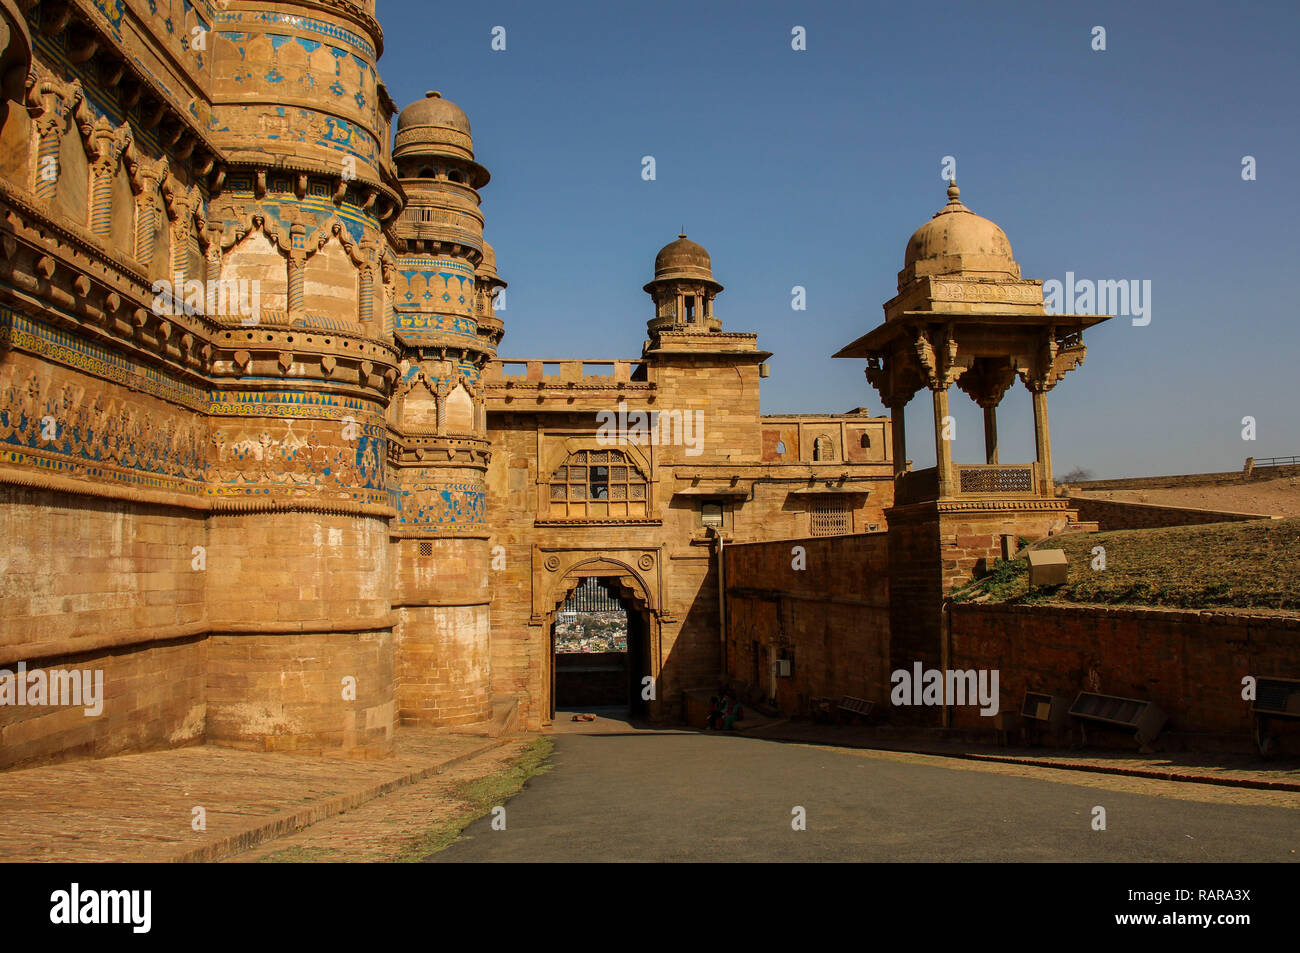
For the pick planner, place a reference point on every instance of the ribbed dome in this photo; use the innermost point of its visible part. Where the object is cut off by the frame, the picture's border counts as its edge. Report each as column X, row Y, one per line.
column 683, row 259
column 957, row 232
column 433, row 110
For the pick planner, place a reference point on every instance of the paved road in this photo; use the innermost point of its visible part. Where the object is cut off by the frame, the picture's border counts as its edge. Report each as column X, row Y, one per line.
column 695, row 797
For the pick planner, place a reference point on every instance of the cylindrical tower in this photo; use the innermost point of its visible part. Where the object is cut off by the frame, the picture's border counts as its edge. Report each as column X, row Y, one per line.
column 298, row 574
column 444, row 322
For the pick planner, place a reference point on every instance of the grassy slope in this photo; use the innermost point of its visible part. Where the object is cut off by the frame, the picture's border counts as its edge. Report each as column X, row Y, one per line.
column 1222, row 565
column 472, row 800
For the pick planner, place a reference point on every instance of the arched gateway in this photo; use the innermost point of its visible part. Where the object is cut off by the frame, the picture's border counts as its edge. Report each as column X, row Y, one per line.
column 604, row 640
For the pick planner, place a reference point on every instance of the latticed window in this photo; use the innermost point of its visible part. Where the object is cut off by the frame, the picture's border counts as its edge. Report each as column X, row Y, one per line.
column 831, row 517
column 598, row 484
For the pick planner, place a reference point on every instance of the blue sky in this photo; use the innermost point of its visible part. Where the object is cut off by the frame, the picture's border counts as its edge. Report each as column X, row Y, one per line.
column 813, row 168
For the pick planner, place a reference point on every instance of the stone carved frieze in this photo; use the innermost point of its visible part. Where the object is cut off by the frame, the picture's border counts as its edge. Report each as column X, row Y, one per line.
column 981, row 291
column 85, row 430
column 436, row 504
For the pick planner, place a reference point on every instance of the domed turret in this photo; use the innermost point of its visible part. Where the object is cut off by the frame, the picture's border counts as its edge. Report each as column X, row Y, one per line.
column 683, row 288
column 441, row 229
column 683, row 259
column 957, row 241
column 433, row 110
column 432, row 129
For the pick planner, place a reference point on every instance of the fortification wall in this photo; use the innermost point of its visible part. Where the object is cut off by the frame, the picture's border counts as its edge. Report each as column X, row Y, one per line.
column 830, row 619
column 1190, row 663
column 1113, row 514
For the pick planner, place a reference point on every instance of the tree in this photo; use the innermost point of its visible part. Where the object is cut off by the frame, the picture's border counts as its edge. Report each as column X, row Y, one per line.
column 1077, row 475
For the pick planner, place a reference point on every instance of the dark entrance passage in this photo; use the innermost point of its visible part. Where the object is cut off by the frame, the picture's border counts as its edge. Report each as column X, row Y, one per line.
column 600, row 650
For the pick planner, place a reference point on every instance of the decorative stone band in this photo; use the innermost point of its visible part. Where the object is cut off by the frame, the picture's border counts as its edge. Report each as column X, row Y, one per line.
column 155, row 497
column 99, row 642
column 136, row 638
column 437, row 508
column 263, row 19
column 454, row 531
column 613, row 522
column 965, row 506
column 928, row 508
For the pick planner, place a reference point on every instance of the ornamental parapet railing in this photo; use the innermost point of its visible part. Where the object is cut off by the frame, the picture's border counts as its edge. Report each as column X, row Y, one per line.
column 968, row 480
column 1001, row 479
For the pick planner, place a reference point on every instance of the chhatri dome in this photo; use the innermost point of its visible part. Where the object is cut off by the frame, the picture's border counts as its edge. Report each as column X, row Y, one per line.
column 956, row 241
column 683, row 259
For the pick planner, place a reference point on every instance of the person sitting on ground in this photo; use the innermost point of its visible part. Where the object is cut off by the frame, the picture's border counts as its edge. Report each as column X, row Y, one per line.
column 717, row 709
column 732, row 713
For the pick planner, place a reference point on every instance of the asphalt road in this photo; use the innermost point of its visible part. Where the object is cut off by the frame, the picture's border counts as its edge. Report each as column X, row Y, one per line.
column 695, row 797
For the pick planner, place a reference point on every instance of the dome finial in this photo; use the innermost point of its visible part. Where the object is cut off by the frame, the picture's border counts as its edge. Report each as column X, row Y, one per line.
column 953, row 191
column 682, row 233
column 433, row 94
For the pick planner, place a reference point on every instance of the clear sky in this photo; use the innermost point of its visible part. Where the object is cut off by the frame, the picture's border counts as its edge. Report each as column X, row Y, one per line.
column 813, row 168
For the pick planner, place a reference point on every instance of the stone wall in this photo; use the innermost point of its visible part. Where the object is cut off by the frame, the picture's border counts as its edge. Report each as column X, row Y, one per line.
column 95, row 584
column 1180, row 480
column 1113, row 514
column 1189, row 663
column 830, row 619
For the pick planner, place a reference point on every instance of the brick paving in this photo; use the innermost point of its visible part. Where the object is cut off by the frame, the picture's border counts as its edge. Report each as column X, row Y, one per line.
column 140, row 807
column 383, row 829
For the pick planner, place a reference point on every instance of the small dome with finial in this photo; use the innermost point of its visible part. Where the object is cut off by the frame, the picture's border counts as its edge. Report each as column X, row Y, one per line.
column 433, row 110
column 683, row 259
column 956, row 239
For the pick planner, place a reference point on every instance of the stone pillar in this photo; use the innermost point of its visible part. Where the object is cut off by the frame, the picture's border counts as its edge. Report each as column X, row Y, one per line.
column 991, row 434
column 1043, row 441
column 942, row 447
column 898, row 431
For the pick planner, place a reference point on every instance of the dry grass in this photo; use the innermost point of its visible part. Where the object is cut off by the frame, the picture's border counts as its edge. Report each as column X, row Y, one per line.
column 1254, row 565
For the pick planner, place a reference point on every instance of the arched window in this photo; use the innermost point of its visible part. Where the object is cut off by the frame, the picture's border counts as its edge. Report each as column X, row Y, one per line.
column 865, row 442
column 780, row 447
column 598, row 484
column 823, row 450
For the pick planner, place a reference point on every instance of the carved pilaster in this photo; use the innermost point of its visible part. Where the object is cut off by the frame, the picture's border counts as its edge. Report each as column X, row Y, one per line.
column 109, row 144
